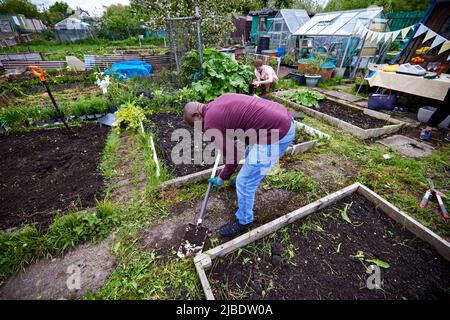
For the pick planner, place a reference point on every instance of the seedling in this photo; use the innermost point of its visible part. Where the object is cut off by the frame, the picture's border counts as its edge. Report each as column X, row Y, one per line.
column 344, row 212
column 360, row 256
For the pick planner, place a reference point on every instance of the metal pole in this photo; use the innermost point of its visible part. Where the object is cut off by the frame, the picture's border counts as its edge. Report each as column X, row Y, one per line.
column 199, row 35
column 61, row 115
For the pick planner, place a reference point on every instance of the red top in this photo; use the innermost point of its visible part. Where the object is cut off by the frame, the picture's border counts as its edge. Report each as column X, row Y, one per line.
column 237, row 111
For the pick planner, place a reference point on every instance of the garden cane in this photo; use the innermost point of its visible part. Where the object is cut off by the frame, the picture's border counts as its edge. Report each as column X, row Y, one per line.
column 438, row 195
column 195, row 236
column 39, row 72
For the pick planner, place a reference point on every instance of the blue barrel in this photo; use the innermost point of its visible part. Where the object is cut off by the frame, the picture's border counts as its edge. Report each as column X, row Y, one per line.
column 281, row 52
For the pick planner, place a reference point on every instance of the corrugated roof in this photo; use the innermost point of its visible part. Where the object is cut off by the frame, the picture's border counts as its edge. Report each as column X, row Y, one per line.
column 338, row 23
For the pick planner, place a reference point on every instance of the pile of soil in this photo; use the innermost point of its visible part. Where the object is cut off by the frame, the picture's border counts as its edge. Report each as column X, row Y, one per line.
column 164, row 125
column 350, row 115
column 314, row 258
column 47, row 170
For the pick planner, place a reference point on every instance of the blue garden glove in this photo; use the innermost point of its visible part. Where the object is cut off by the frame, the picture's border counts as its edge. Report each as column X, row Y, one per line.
column 216, row 182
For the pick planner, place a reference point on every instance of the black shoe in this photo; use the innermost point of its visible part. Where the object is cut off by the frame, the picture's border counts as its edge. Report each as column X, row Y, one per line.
column 233, row 228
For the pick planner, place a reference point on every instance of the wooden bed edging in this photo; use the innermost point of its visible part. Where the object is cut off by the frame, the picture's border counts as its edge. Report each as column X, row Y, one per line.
column 203, row 261
column 352, row 129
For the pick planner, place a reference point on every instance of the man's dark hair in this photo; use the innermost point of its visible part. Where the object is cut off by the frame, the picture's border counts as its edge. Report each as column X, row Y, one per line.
column 258, row 63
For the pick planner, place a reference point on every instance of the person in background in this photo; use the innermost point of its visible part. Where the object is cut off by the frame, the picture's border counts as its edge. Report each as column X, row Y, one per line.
column 266, row 78
column 442, row 112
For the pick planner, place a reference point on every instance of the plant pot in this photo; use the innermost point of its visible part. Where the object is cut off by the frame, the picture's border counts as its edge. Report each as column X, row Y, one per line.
column 311, row 81
column 298, row 78
column 326, row 73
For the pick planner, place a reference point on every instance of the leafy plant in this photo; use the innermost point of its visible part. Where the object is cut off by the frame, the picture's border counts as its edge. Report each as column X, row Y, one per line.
column 306, row 97
column 361, row 257
column 129, row 116
column 222, row 75
column 344, row 212
column 289, row 59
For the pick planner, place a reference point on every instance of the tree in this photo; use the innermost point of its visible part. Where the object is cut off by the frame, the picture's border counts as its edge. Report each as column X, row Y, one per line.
column 216, row 14
column 388, row 5
column 119, row 20
column 24, row 7
column 62, row 8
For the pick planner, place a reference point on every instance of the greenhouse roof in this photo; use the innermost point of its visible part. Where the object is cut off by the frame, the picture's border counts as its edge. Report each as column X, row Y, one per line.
column 338, row 23
column 294, row 18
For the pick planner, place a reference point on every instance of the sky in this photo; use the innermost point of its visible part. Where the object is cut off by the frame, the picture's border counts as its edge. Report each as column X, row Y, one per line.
column 94, row 7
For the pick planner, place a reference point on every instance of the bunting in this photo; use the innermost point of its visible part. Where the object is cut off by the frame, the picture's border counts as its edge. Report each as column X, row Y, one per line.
column 445, row 47
column 437, row 41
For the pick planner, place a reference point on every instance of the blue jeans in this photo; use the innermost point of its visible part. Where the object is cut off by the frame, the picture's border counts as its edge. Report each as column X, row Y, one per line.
column 258, row 161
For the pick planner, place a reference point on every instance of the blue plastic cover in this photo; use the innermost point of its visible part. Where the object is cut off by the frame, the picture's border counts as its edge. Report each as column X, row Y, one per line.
column 129, row 69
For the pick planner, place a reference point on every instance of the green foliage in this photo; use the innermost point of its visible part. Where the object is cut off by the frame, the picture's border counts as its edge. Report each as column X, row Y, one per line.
column 17, row 249
column 388, row 5
column 85, row 106
column 222, row 75
column 286, row 83
column 119, row 17
column 344, row 212
column 18, row 115
column 129, row 116
column 24, row 7
column 190, row 66
column 331, row 82
column 295, row 181
column 216, row 16
column 289, row 59
column 306, row 97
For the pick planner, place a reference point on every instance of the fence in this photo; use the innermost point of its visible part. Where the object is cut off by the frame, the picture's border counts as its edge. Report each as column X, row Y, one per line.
column 400, row 20
column 104, row 61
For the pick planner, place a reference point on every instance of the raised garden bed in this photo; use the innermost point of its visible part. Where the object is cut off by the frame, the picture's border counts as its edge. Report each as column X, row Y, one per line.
column 316, row 253
column 360, row 122
column 43, row 171
column 165, row 123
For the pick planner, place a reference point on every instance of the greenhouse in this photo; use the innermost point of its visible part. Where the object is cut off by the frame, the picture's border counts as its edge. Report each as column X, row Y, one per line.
column 72, row 29
column 285, row 23
column 334, row 33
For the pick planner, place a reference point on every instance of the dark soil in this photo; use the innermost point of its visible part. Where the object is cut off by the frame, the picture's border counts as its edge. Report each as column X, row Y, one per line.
column 166, row 236
column 164, row 125
column 47, row 170
column 313, row 258
column 350, row 115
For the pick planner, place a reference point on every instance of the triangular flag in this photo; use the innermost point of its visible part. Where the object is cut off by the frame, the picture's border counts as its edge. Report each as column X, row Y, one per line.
column 437, row 41
column 380, row 37
column 369, row 34
column 445, row 47
column 387, row 36
column 421, row 30
column 364, row 32
column 430, row 34
column 374, row 37
column 405, row 31
column 395, row 34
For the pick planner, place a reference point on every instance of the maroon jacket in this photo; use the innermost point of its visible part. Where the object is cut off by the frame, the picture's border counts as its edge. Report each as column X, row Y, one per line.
column 238, row 111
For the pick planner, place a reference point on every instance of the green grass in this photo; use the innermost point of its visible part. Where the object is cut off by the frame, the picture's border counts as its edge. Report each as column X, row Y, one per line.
column 18, row 249
column 54, row 50
column 17, row 116
column 110, row 160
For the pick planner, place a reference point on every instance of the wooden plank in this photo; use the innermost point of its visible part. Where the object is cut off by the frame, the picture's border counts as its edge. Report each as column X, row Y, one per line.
column 276, row 224
column 440, row 244
column 204, row 281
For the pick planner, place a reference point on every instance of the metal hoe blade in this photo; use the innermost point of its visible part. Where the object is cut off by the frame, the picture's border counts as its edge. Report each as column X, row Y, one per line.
column 193, row 240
